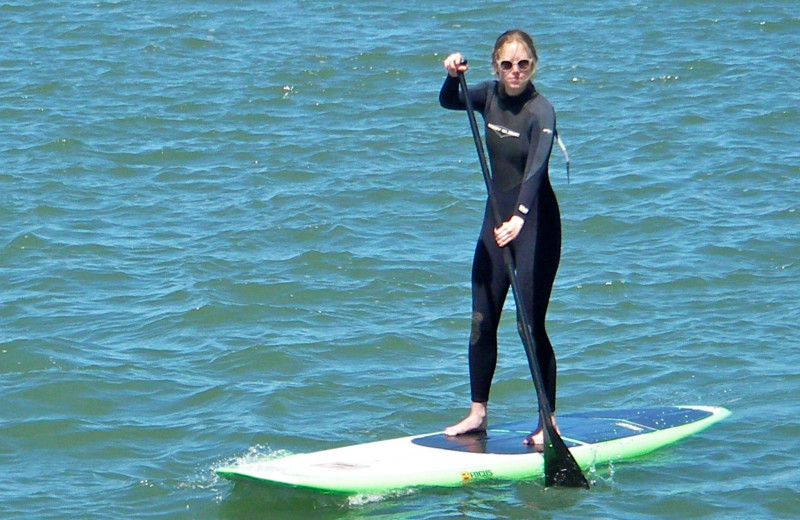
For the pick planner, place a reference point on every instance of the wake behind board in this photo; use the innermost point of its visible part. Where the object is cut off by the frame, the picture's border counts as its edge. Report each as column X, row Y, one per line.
column 436, row 460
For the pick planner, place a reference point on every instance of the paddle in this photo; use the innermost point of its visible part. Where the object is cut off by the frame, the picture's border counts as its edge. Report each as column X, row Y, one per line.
column 560, row 467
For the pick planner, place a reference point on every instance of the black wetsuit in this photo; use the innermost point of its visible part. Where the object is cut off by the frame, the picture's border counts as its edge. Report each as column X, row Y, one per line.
column 519, row 136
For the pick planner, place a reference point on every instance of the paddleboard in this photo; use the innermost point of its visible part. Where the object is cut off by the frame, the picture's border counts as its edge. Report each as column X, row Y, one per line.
column 593, row 438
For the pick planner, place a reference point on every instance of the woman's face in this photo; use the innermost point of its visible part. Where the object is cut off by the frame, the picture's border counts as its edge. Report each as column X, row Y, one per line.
column 514, row 67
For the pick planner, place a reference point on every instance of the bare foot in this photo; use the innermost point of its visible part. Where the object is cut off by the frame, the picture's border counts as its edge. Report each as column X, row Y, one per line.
column 475, row 422
column 536, row 438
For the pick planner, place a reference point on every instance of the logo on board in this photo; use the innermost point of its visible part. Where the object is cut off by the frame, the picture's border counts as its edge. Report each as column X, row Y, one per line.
column 476, row 475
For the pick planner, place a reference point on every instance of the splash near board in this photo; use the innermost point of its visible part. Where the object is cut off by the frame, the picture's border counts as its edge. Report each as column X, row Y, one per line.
column 593, row 438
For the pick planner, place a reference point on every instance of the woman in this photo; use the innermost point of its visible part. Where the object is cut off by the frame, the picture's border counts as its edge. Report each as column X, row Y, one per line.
column 520, row 127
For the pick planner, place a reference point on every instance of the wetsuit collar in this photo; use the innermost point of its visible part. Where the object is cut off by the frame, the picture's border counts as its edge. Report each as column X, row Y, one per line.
column 526, row 94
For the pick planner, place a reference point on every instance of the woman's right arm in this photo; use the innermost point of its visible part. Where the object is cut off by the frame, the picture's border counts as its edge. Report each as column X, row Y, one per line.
column 449, row 96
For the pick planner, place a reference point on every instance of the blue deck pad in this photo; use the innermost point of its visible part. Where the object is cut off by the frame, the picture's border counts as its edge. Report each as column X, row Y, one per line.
column 578, row 428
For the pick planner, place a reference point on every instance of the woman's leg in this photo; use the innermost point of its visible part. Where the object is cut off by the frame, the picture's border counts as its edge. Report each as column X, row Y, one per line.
column 489, row 289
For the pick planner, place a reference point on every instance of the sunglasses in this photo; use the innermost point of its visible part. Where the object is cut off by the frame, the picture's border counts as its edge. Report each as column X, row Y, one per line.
column 522, row 65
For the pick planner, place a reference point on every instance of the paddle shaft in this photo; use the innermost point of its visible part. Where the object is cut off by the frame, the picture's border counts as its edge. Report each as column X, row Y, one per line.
column 560, row 467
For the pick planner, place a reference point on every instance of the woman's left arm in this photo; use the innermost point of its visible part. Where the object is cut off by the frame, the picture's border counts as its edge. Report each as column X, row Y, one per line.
column 542, row 135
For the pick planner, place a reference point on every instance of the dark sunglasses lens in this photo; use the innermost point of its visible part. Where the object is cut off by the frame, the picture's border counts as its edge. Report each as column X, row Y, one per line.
column 522, row 64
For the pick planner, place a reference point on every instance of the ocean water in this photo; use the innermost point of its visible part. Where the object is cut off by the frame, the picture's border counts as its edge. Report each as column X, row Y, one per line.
column 236, row 230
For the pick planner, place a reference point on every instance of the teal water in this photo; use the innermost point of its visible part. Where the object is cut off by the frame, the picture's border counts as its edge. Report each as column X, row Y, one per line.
column 234, row 230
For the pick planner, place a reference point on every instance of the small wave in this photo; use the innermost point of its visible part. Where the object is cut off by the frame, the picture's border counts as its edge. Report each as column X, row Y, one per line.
column 257, row 453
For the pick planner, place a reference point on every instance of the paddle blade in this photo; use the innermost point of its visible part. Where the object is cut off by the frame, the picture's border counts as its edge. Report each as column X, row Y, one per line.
column 560, row 467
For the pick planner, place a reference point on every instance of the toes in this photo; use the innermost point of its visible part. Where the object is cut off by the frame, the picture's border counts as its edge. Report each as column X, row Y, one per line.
column 534, row 439
column 464, row 428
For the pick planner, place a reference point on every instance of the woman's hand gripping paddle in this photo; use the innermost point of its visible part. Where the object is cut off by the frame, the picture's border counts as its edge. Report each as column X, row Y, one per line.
column 560, row 467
